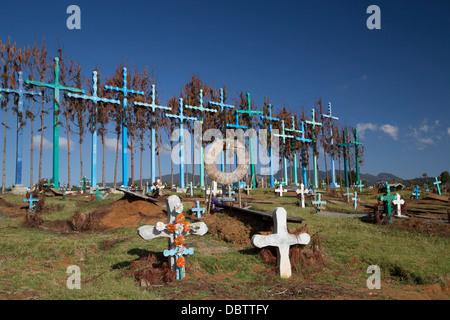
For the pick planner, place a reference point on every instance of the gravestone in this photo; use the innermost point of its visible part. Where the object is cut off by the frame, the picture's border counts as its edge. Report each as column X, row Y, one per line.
column 176, row 230
column 302, row 191
column 282, row 240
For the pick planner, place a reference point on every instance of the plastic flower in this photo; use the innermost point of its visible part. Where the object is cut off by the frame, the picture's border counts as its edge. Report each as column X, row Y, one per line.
column 160, row 226
column 180, row 218
column 179, row 240
column 187, row 227
column 179, row 208
column 181, row 262
column 170, row 227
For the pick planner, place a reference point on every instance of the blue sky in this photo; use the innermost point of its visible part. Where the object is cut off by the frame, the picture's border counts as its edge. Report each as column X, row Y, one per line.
column 393, row 84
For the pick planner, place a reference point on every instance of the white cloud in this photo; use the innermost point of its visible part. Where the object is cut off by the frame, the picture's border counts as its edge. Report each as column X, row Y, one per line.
column 111, row 144
column 362, row 127
column 390, row 130
column 448, row 131
column 47, row 144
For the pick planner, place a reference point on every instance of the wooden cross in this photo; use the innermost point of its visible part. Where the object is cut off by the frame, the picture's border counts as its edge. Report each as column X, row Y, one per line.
column 356, row 199
column 416, row 192
column 31, row 201
column 125, row 91
column 247, row 189
column 319, row 202
column 56, row 87
column 95, row 99
column 176, row 230
column 280, row 190
column 387, row 198
column 398, row 202
column 282, row 240
column 302, row 191
column 198, row 210
column 181, row 117
column 437, row 183
column 20, row 92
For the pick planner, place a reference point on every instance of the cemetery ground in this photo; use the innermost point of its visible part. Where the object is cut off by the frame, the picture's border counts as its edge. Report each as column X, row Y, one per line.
column 99, row 236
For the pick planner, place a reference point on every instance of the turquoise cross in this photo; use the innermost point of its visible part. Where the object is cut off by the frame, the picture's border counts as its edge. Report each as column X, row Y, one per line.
column 56, row 87
column 356, row 199
column 437, row 185
column 387, row 198
column 416, row 192
column 333, row 174
column 319, row 202
column 96, row 192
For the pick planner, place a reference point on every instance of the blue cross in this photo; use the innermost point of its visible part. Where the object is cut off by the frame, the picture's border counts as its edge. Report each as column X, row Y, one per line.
column 94, row 98
column 31, row 201
column 178, row 252
column 153, row 106
column 125, row 92
column 21, row 92
column 236, row 125
column 181, row 117
column 269, row 119
column 333, row 175
column 198, row 209
column 221, row 104
column 416, row 192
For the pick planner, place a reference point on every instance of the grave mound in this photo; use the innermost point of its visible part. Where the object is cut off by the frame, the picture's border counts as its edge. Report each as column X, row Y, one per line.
column 127, row 212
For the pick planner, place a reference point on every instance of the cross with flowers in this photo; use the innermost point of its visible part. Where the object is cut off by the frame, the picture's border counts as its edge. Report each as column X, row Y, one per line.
column 176, row 230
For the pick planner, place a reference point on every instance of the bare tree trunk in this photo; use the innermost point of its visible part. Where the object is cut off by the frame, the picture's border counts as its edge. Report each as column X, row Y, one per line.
column 31, row 146
column 103, row 160
column 159, row 159
column 171, row 164
column 115, row 165
column 140, row 169
column 81, row 160
column 68, row 156
column 41, row 147
column 4, row 153
column 132, row 159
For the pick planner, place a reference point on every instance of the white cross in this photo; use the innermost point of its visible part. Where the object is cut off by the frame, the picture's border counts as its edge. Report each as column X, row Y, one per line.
column 282, row 240
column 174, row 208
column 356, row 199
column 348, row 194
column 398, row 202
column 280, row 190
column 302, row 191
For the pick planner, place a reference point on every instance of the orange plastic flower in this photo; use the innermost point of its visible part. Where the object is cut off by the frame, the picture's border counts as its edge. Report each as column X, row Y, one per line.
column 187, row 226
column 181, row 262
column 171, row 228
column 180, row 218
column 179, row 240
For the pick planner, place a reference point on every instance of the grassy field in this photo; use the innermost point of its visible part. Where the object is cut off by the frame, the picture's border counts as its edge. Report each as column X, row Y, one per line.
column 33, row 263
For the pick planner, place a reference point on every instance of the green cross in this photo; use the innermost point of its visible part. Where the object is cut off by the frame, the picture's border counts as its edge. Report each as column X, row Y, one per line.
column 318, row 202
column 387, row 198
column 437, row 185
column 345, row 145
column 56, row 87
column 356, row 143
column 96, row 192
column 84, row 182
column 250, row 113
